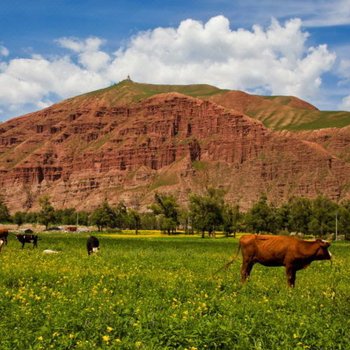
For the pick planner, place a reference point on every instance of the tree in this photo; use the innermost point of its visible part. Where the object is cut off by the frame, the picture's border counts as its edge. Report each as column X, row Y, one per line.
column 82, row 218
column 256, row 216
column 121, row 216
column 282, row 217
column 103, row 216
column 19, row 218
column 149, row 221
column 167, row 207
column 323, row 215
column 207, row 211
column 4, row 212
column 185, row 220
column 300, row 213
column 32, row 217
column 344, row 219
column 231, row 219
column 47, row 213
column 135, row 220
column 66, row 216
column 261, row 217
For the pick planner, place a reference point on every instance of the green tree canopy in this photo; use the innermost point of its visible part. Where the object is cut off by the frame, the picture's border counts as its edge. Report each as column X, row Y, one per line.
column 166, row 206
column 4, row 212
column 19, row 218
column 134, row 220
column 66, row 216
column 46, row 214
column 104, row 216
column 323, row 216
column 121, row 216
column 344, row 219
column 262, row 216
column 300, row 212
column 231, row 219
column 207, row 211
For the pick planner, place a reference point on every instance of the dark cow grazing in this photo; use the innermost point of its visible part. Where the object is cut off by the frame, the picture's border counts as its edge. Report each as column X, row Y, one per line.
column 292, row 253
column 4, row 234
column 92, row 245
column 28, row 239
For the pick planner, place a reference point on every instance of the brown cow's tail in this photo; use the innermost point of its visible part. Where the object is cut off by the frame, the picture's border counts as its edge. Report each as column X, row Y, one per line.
column 229, row 263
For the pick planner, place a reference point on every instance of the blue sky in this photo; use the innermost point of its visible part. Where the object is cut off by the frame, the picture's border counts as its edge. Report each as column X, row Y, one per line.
column 54, row 49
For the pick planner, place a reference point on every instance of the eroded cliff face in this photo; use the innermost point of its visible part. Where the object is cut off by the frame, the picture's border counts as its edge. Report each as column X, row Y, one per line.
column 82, row 154
column 334, row 140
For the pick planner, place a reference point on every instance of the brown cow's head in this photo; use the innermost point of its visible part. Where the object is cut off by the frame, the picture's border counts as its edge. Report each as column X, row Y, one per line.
column 322, row 252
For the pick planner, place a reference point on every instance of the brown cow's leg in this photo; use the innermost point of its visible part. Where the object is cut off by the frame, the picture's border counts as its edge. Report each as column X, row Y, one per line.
column 291, row 275
column 245, row 270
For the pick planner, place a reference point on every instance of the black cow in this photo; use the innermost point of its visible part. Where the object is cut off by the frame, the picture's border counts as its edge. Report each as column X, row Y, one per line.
column 92, row 245
column 23, row 238
column 4, row 234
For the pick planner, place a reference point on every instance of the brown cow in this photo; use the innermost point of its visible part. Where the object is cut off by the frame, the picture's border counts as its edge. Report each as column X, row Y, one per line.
column 4, row 234
column 292, row 253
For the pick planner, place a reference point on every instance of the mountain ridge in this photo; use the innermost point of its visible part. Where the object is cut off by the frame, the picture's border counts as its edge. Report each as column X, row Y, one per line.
column 89, row 148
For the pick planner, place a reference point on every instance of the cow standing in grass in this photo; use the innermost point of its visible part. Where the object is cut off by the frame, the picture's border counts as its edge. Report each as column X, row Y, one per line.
column 92, row 245
column 292, row 253
column 28, row 239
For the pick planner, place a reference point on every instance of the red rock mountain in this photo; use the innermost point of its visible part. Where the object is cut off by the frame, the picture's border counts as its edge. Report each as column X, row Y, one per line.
column 130, row 140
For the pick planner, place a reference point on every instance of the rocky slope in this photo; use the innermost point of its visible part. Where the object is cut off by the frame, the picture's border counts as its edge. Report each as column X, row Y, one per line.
column 125, row 144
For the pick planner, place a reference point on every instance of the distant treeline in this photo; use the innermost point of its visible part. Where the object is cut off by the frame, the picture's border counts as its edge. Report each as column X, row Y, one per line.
column 207, row 214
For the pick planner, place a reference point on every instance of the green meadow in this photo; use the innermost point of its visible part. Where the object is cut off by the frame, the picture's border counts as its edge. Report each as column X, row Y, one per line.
column 155, row 292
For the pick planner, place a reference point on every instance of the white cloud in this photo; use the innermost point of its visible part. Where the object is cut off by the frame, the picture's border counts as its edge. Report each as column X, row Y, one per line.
column 343, row 69
column 273, row 60
column 314, row 13
column 325, row 13
column 89, row 54
column 4, row 51
column 90, row 44
column 345, row 105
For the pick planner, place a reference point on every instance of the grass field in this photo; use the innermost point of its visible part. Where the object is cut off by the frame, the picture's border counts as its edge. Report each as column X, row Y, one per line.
column 159, row 293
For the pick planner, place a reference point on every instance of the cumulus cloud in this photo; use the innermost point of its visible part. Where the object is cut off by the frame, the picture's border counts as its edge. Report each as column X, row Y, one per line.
column 89, row 54
column 345, row 105
column 4, row 51
column 275, row 60
column 343, row 69
column 272, row 60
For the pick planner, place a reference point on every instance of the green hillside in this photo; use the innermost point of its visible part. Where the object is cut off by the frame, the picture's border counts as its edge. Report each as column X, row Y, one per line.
column 276, row 112
column 128, row 91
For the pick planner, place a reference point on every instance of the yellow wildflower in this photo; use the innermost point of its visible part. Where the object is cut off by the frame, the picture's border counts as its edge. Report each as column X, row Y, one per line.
column 106, row 338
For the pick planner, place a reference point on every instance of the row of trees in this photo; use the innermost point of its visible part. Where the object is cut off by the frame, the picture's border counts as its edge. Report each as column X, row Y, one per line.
column 206, row 213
